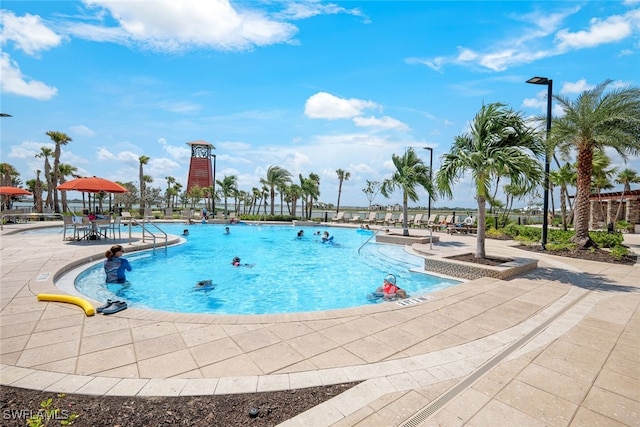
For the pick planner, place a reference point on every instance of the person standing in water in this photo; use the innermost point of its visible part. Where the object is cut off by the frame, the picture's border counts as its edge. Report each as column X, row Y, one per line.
column 115, row 265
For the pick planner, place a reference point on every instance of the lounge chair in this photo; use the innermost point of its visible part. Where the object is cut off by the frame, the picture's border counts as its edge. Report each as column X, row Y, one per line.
column 417, row 221
column 388, row 219
column 355, row 219
column 148, row 214
column 398, row 220
column 371, row 219
column 186, row 215
column 339, row 217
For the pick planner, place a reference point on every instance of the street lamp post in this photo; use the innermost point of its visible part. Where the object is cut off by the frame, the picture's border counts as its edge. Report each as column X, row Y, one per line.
column 431, row 186
column 213, row 209
column 430, row 176
column 545, row 203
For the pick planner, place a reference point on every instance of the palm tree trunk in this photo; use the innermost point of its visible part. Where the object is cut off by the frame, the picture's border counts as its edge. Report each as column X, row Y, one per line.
column 482, row 215
column 582, row 208
column 405, row 208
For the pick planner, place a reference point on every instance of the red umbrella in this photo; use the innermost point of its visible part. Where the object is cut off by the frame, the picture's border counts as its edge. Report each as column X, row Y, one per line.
column 92, row 184
column 13, row 191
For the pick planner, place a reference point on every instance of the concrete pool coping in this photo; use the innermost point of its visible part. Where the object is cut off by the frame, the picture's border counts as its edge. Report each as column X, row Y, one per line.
column 407, row 356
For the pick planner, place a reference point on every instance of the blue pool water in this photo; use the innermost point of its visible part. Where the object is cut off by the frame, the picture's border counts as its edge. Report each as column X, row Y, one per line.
column 288, row 274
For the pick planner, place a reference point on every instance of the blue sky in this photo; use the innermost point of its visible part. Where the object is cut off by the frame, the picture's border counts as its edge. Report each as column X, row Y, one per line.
column 310, row 86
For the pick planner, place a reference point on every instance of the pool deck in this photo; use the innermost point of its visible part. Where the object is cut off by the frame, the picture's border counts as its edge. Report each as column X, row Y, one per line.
column 557, row 346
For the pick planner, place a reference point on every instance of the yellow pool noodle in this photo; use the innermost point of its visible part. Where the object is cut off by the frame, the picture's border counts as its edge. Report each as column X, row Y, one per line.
column 86, row 305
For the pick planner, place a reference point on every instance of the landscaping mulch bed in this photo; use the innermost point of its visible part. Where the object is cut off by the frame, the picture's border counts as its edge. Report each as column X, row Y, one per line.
column 488, row 260
column 598, row 255
column 230, row 410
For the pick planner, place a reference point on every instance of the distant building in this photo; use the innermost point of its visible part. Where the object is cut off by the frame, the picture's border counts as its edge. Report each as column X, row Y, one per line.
column 604, row 207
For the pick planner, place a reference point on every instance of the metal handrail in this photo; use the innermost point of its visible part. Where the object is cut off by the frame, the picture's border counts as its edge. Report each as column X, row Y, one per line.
column 367, row 241
column 26, row 215
column 144, row 231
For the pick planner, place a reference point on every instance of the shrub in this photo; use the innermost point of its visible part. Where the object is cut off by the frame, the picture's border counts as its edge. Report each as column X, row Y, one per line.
column 619, row 251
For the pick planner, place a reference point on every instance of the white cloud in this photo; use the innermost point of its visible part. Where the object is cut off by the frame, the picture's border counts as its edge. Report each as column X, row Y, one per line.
column 385, row 122
column 532, row 45
column 179, row 25
column 29, row 149
column 323, row 105
column 14, row 82
column 82, row 130
column 28, row 32
column 601, row 31
column 309, row 9
column 577, row 87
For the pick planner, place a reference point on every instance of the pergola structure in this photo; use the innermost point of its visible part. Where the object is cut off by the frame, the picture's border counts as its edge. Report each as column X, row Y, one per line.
column 604, row 207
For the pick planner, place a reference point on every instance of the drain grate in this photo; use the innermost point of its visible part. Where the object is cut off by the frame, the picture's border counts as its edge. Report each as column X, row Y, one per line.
column 411, row 301
column 434, row 406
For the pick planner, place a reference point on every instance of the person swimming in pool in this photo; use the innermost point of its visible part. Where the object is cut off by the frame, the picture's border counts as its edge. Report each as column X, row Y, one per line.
column 326, row 238
column 389, row 289
column 301, row 233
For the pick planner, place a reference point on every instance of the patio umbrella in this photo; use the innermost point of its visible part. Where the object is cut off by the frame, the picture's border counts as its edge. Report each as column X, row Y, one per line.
column 92, row 184
column 13, row 191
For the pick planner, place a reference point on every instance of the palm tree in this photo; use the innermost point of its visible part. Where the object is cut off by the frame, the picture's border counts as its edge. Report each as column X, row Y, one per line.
column 8, row 176
column 563, row 177
column 342, row 176
column 310, row 191
column 47, row 152
column 601, row 178
column 626, row 177
column 228, row 187
column 276, row 177
column 170, row 181
column 410, row 172
column 37, row 193
column 498, row 142
column 596, row 120
column 143, row 161
column 66, row 170
column 59, row 139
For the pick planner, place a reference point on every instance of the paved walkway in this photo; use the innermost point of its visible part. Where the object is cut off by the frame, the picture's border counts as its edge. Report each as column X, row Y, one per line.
column 557, row 346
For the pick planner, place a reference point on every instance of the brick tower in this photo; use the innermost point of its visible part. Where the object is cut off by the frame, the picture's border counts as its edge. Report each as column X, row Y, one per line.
column 200, row 173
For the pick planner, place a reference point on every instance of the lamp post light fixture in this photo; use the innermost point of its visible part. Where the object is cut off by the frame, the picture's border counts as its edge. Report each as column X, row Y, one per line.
column 545, row 203
column 430, row 176
column 213, row 196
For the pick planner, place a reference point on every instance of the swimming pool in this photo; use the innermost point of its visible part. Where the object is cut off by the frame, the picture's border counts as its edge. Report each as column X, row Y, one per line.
column 287, row 274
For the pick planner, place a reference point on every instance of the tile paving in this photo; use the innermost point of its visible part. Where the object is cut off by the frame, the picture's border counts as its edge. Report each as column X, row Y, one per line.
column 556, row 346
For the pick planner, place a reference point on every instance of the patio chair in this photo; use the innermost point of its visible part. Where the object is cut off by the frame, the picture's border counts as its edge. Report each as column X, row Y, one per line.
column 355, row 219
column 338, row 217
column 82, row 227
column 371, row 218
column 388, row 219
column 115, row 226
column 398, row 221
column 103, row 226
column 68, row 224
column 417, row 221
